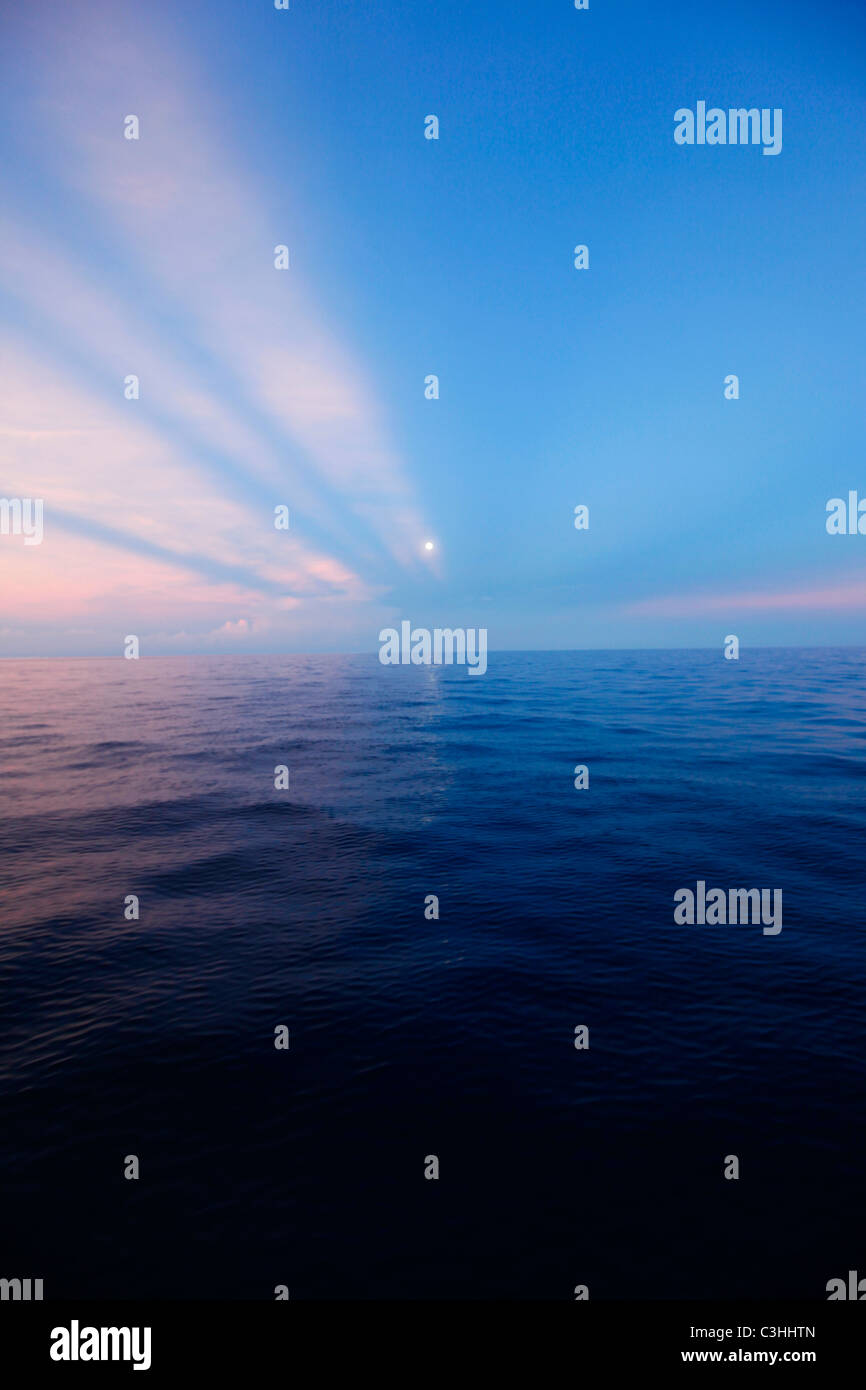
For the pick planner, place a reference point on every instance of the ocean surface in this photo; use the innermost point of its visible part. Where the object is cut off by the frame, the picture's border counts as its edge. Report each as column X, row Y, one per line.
column 410, row 1036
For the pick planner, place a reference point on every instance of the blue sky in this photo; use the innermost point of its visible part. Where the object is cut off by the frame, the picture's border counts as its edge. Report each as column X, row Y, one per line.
column 409, row 257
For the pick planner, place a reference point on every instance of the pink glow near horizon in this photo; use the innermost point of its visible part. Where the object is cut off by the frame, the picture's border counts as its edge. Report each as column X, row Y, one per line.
column 840, row 597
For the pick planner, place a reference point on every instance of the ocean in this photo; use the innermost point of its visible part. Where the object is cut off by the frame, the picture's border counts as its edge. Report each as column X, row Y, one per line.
column 411, row 1035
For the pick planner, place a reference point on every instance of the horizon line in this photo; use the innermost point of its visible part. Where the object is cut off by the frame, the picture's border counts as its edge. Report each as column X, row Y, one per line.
column 502, row 651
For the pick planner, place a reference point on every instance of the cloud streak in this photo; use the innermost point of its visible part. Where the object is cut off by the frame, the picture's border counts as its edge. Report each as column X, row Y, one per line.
column 248, row 398
column 841, row 598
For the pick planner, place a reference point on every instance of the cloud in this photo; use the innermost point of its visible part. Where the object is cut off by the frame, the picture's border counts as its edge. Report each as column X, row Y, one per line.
column 191, row 220
column 833, row 598
column 162, row 507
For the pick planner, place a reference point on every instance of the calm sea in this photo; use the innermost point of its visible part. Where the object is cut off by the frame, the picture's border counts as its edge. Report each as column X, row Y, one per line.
column 413, row 1036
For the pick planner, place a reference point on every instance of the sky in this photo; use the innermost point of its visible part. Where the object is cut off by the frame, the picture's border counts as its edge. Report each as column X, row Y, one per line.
column 410, row 257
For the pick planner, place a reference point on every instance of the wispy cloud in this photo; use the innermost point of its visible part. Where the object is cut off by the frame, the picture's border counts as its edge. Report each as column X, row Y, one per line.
column 843, row 597
column 249, row 399
column 192, row 219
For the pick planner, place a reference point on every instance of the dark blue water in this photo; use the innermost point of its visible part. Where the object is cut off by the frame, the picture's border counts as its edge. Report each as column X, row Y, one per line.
column 412, row 1037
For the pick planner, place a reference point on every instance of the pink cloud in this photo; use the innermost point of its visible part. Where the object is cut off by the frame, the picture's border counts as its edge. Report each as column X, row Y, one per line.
column 197, row 224
column 106, row 466
column 840, row 597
